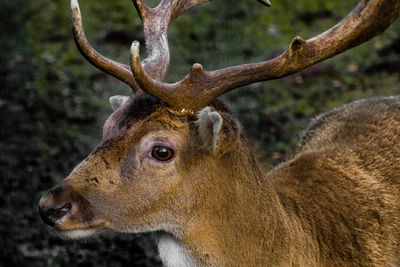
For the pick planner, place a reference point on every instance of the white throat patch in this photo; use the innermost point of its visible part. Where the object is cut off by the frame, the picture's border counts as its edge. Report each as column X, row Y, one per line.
column 173, row 253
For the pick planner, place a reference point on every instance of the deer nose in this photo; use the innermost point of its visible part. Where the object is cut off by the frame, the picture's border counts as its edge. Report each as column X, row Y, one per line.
column 52, row 210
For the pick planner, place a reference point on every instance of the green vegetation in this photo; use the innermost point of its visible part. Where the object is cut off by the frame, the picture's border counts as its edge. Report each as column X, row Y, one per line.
column 53, row 103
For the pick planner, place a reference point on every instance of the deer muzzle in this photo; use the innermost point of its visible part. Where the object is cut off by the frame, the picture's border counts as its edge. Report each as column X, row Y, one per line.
column 64, row 208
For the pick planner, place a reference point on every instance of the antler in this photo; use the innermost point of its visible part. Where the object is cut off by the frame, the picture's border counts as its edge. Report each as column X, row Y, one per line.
column 155, row 23
column 118, row 70
column 200, row 87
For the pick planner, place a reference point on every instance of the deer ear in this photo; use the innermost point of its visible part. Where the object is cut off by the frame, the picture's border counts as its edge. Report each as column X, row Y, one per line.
column 209, row 126
column 118, row 101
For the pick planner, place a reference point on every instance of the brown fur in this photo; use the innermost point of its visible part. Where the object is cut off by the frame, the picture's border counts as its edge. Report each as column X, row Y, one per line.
column 336, row 203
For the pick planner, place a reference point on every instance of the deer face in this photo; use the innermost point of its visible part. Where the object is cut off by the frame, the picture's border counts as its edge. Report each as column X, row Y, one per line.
column 135, row 179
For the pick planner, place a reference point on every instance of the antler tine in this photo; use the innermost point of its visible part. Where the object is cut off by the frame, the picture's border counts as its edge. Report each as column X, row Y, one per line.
column 265, row 2
column 118, row 70
column 141, row 8
column 199, row 87
column 181, row 6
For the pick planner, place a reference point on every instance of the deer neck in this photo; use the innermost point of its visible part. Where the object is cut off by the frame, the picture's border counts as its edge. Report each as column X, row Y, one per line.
column 239, row 213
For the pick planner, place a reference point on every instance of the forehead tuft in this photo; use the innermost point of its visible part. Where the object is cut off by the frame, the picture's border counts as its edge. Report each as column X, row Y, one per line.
column 138, row 109
column 142, row 106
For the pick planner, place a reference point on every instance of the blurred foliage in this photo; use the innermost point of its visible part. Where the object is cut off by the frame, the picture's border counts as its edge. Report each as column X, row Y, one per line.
column 53, row 103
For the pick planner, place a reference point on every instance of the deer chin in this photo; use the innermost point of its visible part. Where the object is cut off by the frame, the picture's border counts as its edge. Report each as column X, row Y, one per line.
column 81, row 232
column 75, row 230
column 78, row 233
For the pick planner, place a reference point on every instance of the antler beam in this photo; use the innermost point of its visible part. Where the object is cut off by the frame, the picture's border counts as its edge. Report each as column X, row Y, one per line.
column 200, row 87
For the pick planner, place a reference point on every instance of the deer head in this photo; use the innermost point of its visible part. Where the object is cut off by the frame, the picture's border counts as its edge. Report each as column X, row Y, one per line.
column 171, row 152
column 146, row 154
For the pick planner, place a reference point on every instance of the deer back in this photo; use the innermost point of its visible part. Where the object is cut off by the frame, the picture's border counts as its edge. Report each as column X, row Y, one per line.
column 344, row 183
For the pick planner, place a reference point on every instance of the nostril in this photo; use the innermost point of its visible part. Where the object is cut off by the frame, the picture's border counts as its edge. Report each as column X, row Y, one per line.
column 60, row 211
column 50, row 215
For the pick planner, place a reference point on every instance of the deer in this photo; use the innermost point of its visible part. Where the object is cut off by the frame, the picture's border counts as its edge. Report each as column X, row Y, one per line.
column 173, row 160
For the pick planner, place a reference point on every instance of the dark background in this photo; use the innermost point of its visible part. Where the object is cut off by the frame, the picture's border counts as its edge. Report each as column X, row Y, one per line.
column 53, row 103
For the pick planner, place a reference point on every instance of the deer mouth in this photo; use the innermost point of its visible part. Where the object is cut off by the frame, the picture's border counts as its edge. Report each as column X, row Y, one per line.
column 82, row 231
column 71, row 227
column 76, row 225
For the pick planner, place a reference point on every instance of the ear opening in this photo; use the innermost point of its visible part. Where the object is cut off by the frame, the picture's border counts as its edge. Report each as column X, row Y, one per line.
column 118, row 101
column 209, row 125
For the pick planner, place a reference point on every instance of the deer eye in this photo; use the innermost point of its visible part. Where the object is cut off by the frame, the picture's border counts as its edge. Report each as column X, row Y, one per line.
column 162, row 153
